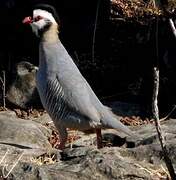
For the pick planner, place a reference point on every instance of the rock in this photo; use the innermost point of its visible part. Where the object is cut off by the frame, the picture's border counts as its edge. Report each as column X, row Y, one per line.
column 45, row 118
column 22, row 92
column 136, row 158
column 21, row 141
column 89, row 163
column 147, row 146
column 23, row 135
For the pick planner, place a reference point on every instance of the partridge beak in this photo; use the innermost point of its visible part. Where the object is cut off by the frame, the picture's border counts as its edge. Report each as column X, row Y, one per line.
column 27, row 20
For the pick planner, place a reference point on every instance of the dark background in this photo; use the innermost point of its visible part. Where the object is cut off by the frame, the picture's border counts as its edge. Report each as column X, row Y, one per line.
column 124, row 50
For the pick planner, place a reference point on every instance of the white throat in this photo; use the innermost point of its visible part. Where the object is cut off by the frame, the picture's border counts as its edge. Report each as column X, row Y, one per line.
column 36, row 26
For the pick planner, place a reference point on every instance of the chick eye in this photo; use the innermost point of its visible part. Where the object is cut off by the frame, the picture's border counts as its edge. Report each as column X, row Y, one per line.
column 37, row 18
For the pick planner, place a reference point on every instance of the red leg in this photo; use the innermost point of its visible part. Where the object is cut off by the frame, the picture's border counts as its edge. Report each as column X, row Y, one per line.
column 99, row 138
column 62, row 144
column 62, row 137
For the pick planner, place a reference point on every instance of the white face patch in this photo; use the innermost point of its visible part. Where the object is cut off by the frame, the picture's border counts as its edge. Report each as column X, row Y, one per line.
column 46, row 16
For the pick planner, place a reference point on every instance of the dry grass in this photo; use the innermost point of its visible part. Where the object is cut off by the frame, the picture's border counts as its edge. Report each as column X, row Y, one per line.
column 46, row 158
column 156, row 174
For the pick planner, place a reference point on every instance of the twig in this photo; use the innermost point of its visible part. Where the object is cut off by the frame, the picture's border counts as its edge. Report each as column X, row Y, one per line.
column 158, row 126
column 155, row 110
column 3, row 82
column 154, row 3
column 153, row 172
column 164, row 118
column 5, row 176
column 172, row 26
column 4, row 156
column 94, row 32
column 4, row 90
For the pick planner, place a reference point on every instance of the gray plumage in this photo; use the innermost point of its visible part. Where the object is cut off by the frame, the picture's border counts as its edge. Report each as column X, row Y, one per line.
column 67, row 96
column 65, row 93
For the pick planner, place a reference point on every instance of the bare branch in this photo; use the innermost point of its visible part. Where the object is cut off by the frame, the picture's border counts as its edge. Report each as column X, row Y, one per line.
column 14, row 165
column 94, row 32
column 167, row 116
column 2, row 159
column 172, row 25
column 4, row 89
column 3, row 82
column 158, row 126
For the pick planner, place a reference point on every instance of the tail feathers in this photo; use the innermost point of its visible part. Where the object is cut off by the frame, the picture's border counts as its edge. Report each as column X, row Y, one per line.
column 110, row 120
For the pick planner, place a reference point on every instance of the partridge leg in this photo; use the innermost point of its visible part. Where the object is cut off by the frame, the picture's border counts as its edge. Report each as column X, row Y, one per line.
column 99, row 138
column 62, row 137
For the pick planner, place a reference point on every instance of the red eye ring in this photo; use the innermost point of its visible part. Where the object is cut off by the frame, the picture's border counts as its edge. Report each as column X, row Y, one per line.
column 37, row 18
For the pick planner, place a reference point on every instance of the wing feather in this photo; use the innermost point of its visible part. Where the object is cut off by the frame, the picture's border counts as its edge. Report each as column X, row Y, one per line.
column 77, row 97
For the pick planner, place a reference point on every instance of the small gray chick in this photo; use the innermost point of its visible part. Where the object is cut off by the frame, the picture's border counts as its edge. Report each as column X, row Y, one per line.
column 22, row 91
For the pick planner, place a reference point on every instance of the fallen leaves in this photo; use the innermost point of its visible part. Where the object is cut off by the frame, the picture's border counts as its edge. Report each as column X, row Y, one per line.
column 137, row 9
column 135, row 121
column 55, row 141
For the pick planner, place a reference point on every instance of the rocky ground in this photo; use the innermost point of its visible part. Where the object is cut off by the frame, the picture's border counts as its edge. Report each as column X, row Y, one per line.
column 28, row 150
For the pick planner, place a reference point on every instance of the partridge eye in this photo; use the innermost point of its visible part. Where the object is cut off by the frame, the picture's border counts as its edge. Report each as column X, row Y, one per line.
column 38, row 18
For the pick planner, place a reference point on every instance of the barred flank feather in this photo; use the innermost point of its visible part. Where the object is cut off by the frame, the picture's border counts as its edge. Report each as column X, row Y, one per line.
column 54, row 100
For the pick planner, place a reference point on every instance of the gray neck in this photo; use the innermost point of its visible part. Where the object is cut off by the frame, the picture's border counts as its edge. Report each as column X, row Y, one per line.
column 50, row 49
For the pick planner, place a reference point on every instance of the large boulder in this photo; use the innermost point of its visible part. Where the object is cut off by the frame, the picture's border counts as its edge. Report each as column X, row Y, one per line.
column 23, row 135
